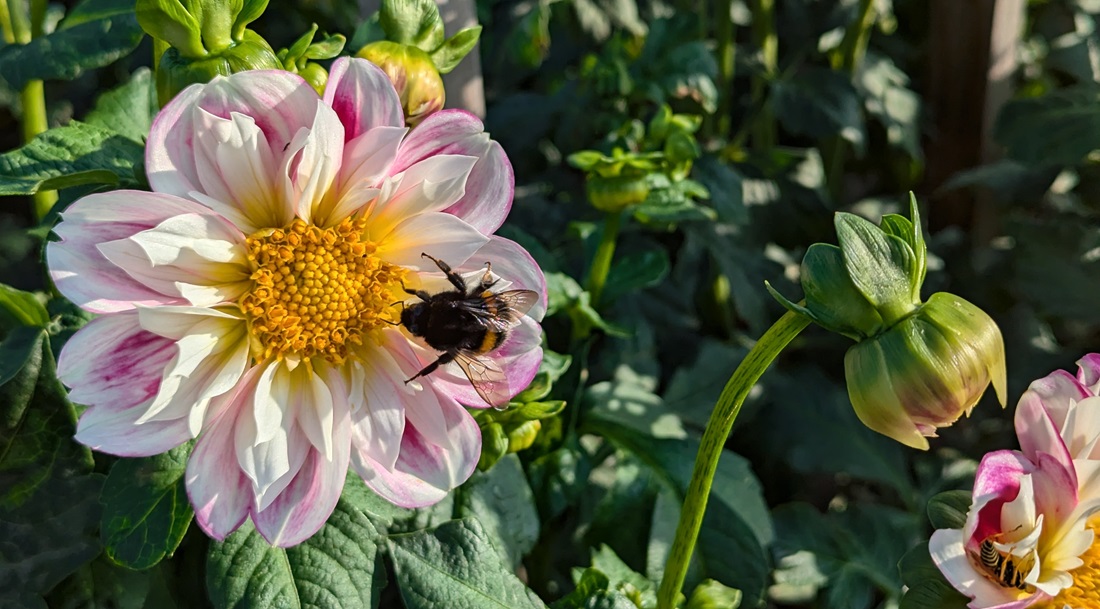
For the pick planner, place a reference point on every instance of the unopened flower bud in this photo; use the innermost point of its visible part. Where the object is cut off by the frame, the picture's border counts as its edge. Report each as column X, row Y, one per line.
column 916, row 366
column 413, row 74
column 926, row 370
column 616, row 193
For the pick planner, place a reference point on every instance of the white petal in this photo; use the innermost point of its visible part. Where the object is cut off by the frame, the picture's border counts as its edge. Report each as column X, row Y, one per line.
column 379, row 423
column 433, row 184
column 271, row 455
column 312, row 161
column 437, row 234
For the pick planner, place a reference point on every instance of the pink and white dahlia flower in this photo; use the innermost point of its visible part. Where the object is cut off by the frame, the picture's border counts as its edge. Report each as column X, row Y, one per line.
column 1030, row 536
column 248, row 301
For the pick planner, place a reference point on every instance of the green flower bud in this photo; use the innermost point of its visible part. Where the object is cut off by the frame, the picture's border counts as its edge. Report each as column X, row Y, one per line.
column 176, row 71
column 616, row 193
column 413, row 74
column 916, row 367
column 316, row 76
column 926, row 370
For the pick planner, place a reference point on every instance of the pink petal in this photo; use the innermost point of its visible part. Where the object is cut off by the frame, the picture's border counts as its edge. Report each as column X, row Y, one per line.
column 112, row 363
column 219, row 492
column 1088, row 372
column 432, row 185
column 512, row 262
column 425, row 473
column 437, row 234
column 996, row 483
column 280, row 103
column 306, row 503
column 82, row 273
column 367, row 160
column 378, row 407
column 1057, row 391
column 117, row 432
column 1055, row 489
column 1037, row 431
column 362, row 96
column 491, row 184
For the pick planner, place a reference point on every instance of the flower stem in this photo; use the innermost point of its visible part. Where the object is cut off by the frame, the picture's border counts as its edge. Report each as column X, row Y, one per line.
column 601, row 264
column 765, row 39
column 718, row 428
column 20, row 23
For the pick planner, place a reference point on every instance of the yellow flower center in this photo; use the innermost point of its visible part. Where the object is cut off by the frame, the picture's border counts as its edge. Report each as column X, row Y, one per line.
column 1085, row 591
column 317, row 291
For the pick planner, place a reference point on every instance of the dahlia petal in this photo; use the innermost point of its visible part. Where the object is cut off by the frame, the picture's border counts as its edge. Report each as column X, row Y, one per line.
column 269, row 445
column 1037, row 431
column 890, row 419
column 440, row 235
column 1055, row 489
column 362, row 96
column 309, row 170
column 212, row 356
column 278, row 101
column 490, row 187
column 378, row 413
column 511, row 261
column 186, row 251
column 79, row 269
column 1082, row 429
column 236, row 166
column 303, row 507
column 424, row 473
column 431, row 185
column 1057, row 391
column 423, row 409
column 317, row 392
column 996, row 481
column 218, row 490
column 113, row 363
column 1088, row 372
column 369, row 157
column 118, row 432
column 949, row 554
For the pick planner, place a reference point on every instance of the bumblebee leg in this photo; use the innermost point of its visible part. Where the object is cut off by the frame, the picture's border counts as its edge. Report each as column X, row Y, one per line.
column 455, row 279
column 487, row 280
column 446, row 358
column 421, row 294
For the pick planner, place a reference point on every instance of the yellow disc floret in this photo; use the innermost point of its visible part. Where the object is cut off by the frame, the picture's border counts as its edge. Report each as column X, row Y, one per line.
column 316, row 291
column 1085, row 591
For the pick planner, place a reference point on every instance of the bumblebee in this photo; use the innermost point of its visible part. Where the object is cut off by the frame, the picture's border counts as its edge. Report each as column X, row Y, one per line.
column 466, row 323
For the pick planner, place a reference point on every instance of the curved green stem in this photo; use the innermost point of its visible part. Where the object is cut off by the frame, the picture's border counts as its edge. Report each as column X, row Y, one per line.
column 601, row 264
column 718, row 428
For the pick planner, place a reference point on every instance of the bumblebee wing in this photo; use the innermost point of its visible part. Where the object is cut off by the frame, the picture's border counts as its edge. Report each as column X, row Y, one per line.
column 501, row 311
column 488, row 379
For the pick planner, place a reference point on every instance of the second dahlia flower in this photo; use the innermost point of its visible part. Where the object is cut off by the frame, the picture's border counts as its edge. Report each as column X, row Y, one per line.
column 252, row 299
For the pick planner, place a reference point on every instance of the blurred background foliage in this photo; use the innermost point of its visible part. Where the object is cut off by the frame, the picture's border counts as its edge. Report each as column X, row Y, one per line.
column 988, row 110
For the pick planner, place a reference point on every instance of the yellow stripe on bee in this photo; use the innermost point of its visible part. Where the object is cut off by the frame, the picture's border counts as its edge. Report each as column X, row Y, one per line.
column 489, row 342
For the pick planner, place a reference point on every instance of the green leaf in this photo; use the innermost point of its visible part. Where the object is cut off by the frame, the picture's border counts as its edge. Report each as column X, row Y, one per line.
column 95, row 10
column 624, row 512
column 69, row 51
column 502, row 502
column 887, row 97
column 592, row 593
column 635, row 271
column 172, row 22
column 24, row 308
column 494, row 445
column 69, row 156
column 879, row 266
column 49, row 508
column 18, row 348
column 448, row 56
column 624, row 579
column 818, row 102
column 948, row 510
column 145, row 508
column 340, row 566
column 1056, row 129
column 558, row 478
column 127, row 110
column 455, row 565
column 412, row 22
column 101, row 584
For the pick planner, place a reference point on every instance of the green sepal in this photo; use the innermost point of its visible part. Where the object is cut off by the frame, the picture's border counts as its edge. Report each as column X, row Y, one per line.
column 457, row 47
column 791, row 306
column 176, row 71
column 169, row 21
column 879, row 265
column 494, row 445
column 250, row 11
column 412, row 22
column 711, row 594
column 831, row 296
